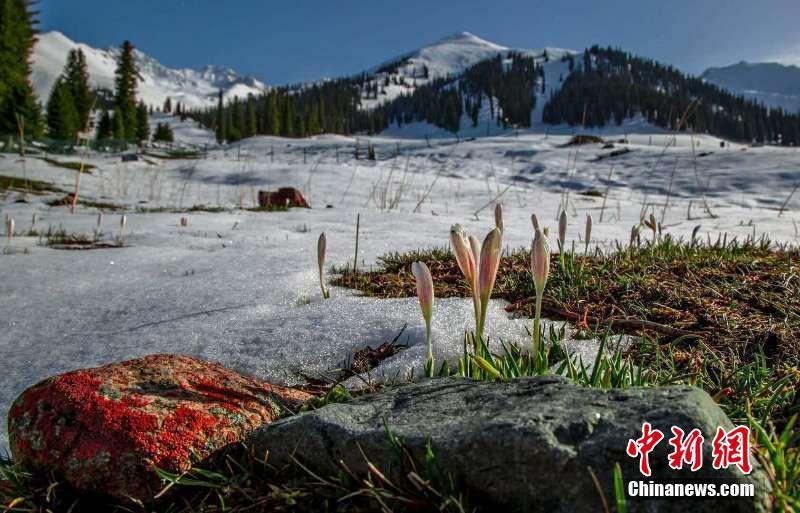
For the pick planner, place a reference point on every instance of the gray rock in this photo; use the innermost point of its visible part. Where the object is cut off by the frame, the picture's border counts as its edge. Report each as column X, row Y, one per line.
column 524, row 445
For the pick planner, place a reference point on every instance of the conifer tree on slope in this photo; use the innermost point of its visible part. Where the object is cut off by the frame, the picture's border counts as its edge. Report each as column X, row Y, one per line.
column 17, row 99
column 105, row 128
column 273, row 115
column 62, row 117
column 118, row 124
column 142, row 123
column 76, row 75
column 125, row 91
column 220, row 119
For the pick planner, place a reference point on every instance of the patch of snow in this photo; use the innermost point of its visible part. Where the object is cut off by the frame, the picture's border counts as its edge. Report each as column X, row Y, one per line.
column 241, row 288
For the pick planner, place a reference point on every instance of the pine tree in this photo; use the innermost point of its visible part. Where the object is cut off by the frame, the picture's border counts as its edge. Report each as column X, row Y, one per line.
column 142, row 123
column 76, row 75
column 251, row 126
column 125, row 94
column 168, row 106
column 237, row 122
column 62, row 117
column 220, row 123
column 105, row 129
column 273, row 115
column 288, row 118
column 163, row 133
column 17, row 99
column 119, row 124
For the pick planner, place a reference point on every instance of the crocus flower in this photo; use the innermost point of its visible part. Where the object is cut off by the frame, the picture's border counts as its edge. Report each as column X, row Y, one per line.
column 425, row 293
column 535, row 221
column 321, row 244
column 122, row 222
column 9, row 227
column 463, row 252
column 487, row 271
column 653, row 225
column 540, row 260
column 97, row 226
column 475, row 246
column 562, row 230
column 634, row 234
column 540, row 268
column 467, row 262
column 498, row 216
column 588, row 233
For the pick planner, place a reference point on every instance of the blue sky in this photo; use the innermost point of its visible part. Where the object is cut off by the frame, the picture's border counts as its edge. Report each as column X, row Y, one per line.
column 282, row 42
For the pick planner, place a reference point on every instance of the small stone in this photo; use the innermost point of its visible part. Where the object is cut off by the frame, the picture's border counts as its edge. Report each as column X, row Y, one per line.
column 285, row 197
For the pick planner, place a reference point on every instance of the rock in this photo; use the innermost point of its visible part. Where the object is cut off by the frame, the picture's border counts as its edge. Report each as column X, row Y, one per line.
column 283, row 197
column 103, row 429
column 523, row 445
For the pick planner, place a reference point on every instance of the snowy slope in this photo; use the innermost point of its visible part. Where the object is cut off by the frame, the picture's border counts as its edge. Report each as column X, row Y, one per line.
column 240, row 287
column 771, row 83
column 446, row 57
column 193, row 88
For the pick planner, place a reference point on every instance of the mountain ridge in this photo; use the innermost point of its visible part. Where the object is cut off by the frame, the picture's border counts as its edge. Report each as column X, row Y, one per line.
column 771, row 83
column 194, row 88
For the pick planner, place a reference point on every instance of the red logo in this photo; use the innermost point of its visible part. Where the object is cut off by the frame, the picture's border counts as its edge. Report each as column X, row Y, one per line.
column 732, row 448
column 688, row 449
column 728, row 448
column 642, row 447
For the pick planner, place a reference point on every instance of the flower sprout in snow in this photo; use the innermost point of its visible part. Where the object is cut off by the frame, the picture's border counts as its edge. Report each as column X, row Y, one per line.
column 588, row 233
column 540, row 269
column 9, row 227
column 123, row 221
column 487, row 272
column 425, row 293
column 321, row 245
column 498, row 216
column 467, row 261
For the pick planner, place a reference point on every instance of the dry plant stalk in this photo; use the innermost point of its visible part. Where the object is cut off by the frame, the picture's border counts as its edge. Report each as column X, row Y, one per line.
column 83, row 159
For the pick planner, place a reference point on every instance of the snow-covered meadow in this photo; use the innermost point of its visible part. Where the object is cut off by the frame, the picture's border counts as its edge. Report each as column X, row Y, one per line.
column 240, row 287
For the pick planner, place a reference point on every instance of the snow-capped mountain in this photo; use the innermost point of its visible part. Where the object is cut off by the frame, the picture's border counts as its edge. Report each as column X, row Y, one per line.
column 193, row 88
column 445, row 57
column 773, row 84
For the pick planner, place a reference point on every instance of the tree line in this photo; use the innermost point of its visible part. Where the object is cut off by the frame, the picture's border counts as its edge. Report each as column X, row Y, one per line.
column 507, row 84
column 291, row 111
column 609, row 86
column 71, row 103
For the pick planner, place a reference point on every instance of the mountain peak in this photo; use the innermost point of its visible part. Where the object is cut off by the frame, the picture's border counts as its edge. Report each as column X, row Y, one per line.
column 193, row 88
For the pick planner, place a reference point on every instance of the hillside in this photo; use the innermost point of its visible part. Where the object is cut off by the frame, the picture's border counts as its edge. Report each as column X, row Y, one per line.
column 609, row 86
column 773, row 84
column 193, row 88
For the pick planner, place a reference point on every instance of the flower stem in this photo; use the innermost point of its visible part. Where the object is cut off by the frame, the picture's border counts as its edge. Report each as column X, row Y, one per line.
column 429, row 364
column 536, row 323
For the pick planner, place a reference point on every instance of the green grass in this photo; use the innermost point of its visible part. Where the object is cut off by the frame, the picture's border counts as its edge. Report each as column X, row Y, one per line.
column 15, row 183
column 176, row 154
column 724, row 314
column 74, row 166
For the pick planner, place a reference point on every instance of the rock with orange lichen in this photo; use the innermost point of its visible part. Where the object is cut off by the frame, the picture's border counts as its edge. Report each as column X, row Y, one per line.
column 103, row 430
